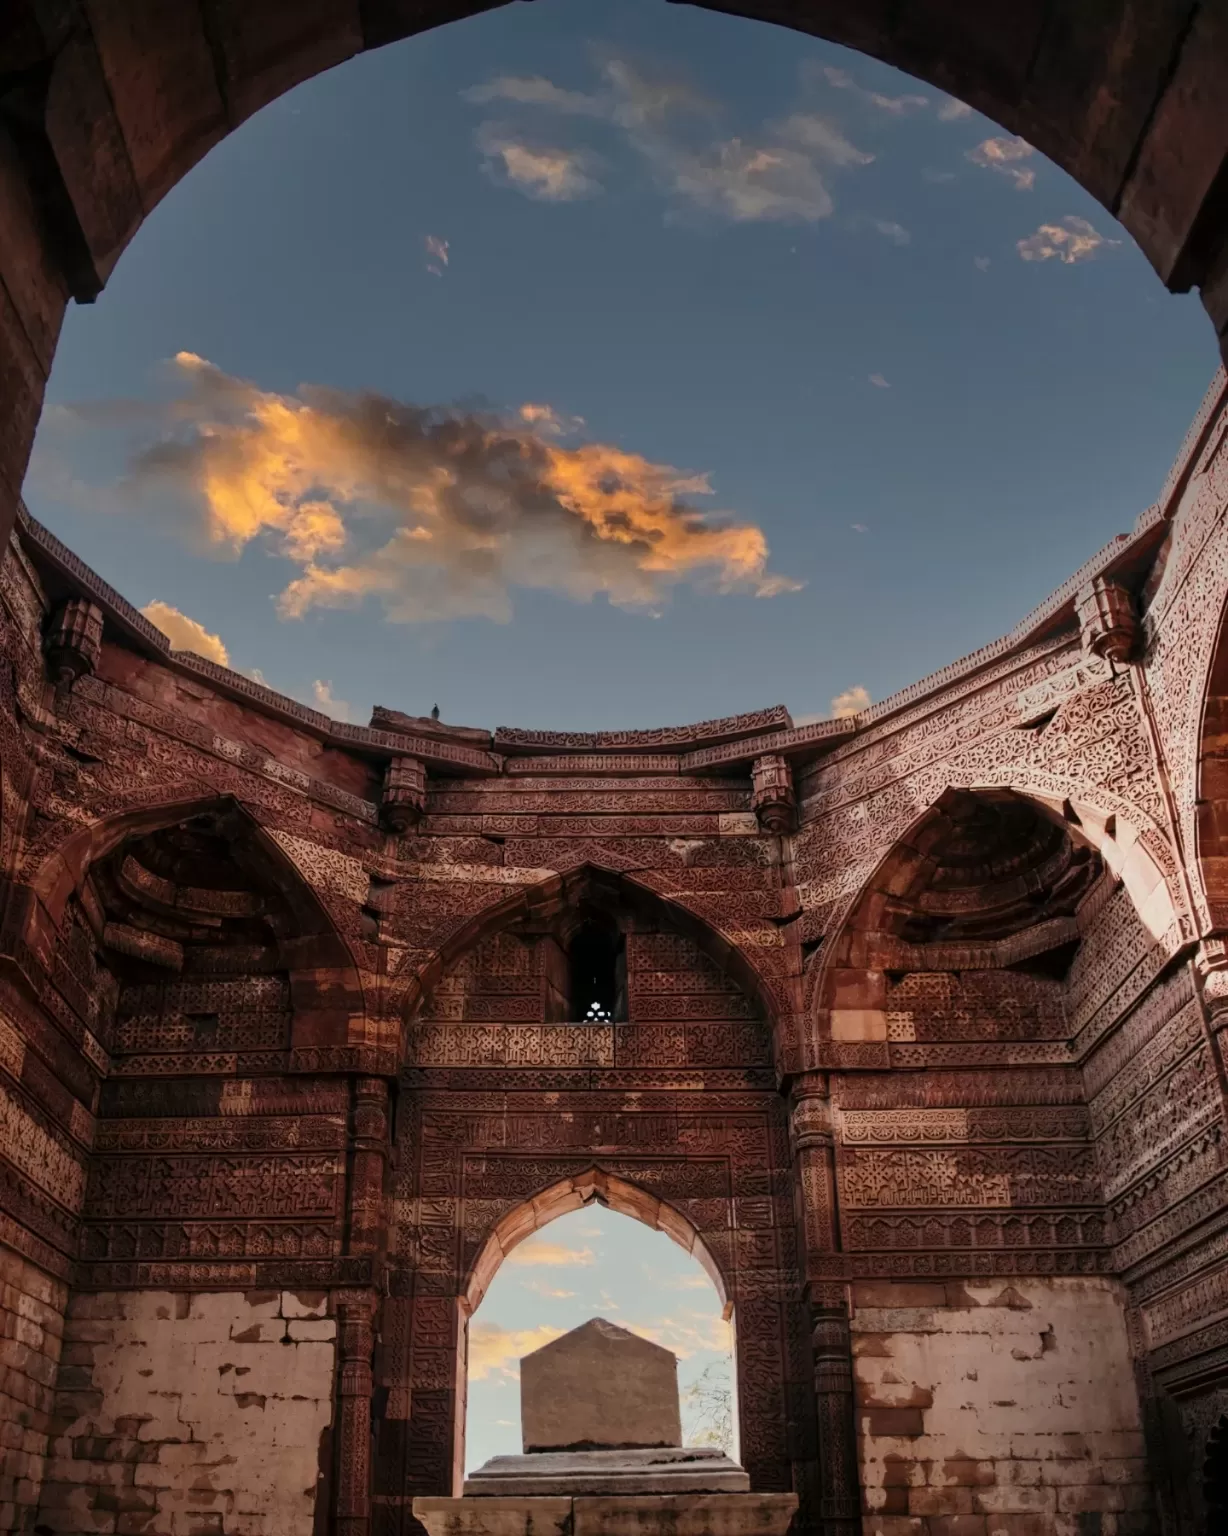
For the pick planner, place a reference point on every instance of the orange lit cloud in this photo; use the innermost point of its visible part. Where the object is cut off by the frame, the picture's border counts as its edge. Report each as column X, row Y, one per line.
column 496, row 1351
column 550, row 1255
column 851, row 702
column 186, row 634
column 552, row 174
column 436, row 254
column 1071, row 241
column 433, row 513
column 1003, row 155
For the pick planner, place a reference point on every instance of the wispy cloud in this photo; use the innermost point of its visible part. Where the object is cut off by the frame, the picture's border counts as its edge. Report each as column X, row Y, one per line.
column 498, row 1351
column 546, row 172
column 894, row 106
column 851, row 702
column 879, row 382
column 186, row 634
column 892, row 231
column 551, row 1255
column 859, row 527
column 326, row 701
column 1071, row 241
column 540, row 1288
column 780, row 173
column 1003, row 155
column 953, row 111
column 436, row 254
column 686, row 1334
column 981, row 263
column 432, row 512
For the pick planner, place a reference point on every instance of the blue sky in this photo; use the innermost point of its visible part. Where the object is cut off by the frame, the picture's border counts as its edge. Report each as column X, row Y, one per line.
column 589, row 1263
column 841, row 379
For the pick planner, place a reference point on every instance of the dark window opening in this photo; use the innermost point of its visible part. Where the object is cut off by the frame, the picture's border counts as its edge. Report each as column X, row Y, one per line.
column 598, row 974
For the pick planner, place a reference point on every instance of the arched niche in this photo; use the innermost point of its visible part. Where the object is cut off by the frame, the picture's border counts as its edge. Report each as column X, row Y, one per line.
column 101, row 876
column 558, row 904
column 987, row 879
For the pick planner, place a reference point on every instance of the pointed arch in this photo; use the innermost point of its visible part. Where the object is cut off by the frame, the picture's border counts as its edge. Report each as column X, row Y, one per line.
column 546, row 900
column 871, row 911
column 595, row 1186
column 324, row 979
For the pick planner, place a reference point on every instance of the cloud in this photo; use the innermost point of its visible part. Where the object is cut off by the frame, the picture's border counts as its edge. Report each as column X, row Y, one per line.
column 549, row 174
column 859, row 527
column 879, row 382
column 436, row 254
column 936, row 176
column 322, row 694
column 892, row 231
column 895, row 106
column 953, row 111
column 1003, row 155
column 778, row 174
column 687, row 1334
column 851, row 702
column 494, row 1350
column 1071, row 241
column 186, row 634
column 540, row 1288
column 434, row 513
column 981, row 263
column 551, row 1255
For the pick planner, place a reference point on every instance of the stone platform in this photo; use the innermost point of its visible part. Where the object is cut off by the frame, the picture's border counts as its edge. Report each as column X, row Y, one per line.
column 662, row 1470
column 686, row 1514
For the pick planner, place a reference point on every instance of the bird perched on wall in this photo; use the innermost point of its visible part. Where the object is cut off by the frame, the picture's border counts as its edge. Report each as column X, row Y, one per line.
column 434, row 711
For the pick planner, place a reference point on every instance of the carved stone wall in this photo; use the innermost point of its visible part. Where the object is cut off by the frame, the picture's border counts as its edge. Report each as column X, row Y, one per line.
column 963, row 1028
column 498, row 1106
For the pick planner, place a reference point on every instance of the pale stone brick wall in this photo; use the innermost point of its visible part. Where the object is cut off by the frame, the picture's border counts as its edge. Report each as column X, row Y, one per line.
column 31, row 1324
column 191, row 1415
column 1000, row 1409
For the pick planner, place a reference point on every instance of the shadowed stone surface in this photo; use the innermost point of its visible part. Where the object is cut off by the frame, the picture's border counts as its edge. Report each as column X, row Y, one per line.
column 599, row 1387
column 695, row 1469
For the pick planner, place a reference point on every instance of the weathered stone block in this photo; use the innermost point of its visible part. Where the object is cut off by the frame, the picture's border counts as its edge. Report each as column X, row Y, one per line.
column 599, row 1386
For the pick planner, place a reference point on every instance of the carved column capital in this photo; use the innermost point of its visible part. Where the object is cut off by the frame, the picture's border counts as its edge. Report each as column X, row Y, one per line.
column 1108, row 619
column 73, row 642
column 1211, row 961
column 772, row 798
column 810, row 1115
column 403, row 801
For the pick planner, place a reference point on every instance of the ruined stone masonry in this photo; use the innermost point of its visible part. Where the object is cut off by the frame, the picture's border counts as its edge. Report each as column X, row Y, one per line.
column 296, row 1046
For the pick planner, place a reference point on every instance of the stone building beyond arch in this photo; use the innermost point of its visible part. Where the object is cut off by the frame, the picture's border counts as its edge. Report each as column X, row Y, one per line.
column 913, row 1022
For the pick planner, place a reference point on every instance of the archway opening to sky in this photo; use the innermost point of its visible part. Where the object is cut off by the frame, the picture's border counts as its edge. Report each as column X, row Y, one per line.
column 596, row 1262
column 683, row 344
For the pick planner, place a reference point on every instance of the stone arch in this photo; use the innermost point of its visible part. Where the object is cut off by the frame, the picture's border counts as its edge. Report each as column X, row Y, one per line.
column 548, row 899
column 854, row 962
column 106, row 110
column 324, row 981
column 594, row 1186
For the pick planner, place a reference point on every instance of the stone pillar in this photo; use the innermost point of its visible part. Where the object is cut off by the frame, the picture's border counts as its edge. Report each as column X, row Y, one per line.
column 404, row 798
column 370, row 1154
column 355, row 1340
column 73, row 642
column 824, row 1271
column 772, row 798
column 1108, row 619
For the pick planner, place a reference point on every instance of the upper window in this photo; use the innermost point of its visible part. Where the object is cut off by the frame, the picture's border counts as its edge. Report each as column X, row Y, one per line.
column 597, row 974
